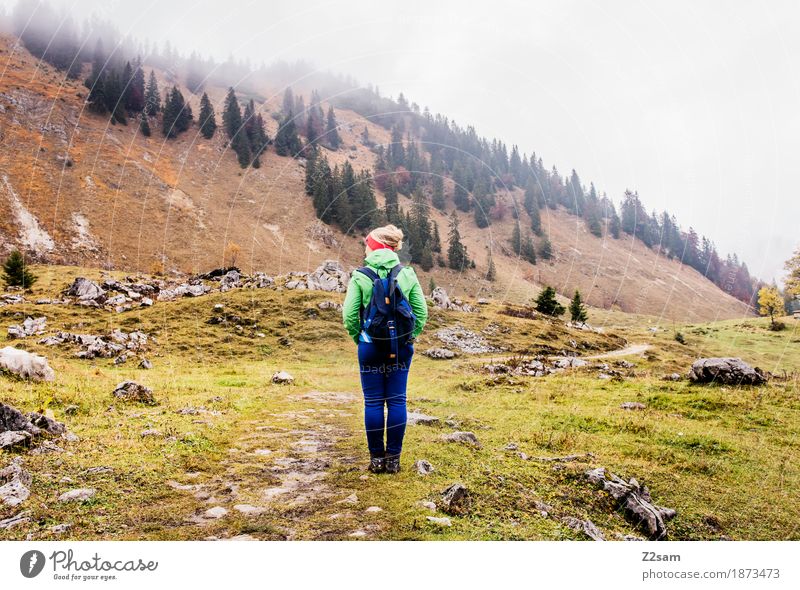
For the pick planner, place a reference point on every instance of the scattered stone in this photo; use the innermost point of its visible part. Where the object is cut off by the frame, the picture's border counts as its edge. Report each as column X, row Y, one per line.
column 325, row 305
column 98, row 470
column 468, row 438
column 418, row 418
column 565, row 459
column 85, row 290
column 440, row 353
column 441, row 300
column 428, row 505
column 636, row 502
column 14, row 482
column 672, row 377
column 71, row 410
column 587, row 526
column 624, row 364
column 329, row 276
column 352, row 499
column 60, row 528
column 216, row 512
column 282, row 377
column 464, row 340
column 440, row 521
column 511, row 447
column 150, row 432
column 374, row 509
column 17, row 519
column 455, row 499
column 632, row 406
column 25, row 365
column 30, row 327
column 727, row 371
column 571, row 362
column 249, row 510
column 423, row 467
column 77, row 495
column 13, row 438
column 357, row 534
column 130, row 391
column 483, row 301
column 145, row 364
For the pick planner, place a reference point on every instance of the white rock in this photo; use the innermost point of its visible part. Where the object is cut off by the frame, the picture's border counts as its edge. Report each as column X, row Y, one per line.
column 441, row 521
column 77, row 495
column 216, row 512
column 25, row 364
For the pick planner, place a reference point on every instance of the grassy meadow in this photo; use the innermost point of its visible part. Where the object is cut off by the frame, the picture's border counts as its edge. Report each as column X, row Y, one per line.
column 293, row 457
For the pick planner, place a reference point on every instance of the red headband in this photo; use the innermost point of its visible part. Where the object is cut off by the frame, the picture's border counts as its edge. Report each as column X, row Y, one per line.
column 375, row 244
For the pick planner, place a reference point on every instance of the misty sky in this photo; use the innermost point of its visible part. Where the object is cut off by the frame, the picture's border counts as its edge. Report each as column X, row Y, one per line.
column 695, row 106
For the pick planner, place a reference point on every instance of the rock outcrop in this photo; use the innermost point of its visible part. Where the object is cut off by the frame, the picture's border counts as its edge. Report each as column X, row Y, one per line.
column 25, row 365
column 635, row 501
column 727, row 371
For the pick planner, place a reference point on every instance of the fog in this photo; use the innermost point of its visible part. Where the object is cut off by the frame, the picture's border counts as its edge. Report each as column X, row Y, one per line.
column 694, row 106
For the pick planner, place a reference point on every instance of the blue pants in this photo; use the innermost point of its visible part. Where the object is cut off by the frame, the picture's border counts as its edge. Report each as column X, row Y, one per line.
column 383, row 381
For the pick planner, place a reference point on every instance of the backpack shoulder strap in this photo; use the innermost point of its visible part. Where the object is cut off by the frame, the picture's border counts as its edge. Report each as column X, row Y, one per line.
column 393, row 274
column 365, row 270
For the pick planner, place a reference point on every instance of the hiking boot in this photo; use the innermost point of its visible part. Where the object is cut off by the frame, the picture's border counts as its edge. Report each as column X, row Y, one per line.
column 393, row 464
column 377, row 465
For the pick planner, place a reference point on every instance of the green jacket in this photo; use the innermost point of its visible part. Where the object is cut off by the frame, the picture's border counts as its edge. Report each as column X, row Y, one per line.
column 359, row 291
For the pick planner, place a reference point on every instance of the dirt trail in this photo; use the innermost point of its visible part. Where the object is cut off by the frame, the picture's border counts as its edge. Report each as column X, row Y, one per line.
column 629, row 350
column 281, row 476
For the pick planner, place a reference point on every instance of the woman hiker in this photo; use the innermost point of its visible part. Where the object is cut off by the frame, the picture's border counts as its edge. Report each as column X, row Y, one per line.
column 384, row 356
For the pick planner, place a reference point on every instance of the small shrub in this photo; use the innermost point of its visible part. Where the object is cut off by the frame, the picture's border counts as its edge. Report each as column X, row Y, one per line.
column 679, row 338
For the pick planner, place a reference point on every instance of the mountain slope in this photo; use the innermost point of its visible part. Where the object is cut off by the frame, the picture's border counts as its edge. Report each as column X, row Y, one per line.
column 75, row 189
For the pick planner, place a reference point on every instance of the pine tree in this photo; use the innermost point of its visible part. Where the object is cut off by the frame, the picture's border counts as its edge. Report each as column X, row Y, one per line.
column 177, row 114
column 577, row 311
column 460, row 193
column 311, row 162
column 516, row 240
column 115, row 102
column 332, row 137
column 288, row 101
column 152, row 97
column 144, row 125
column 420, row 232
column 16, row 273
column 436, row 241
column 536, row 221
column 547, row 303
column 232, row 122
column 546, row 249
column 457, row 252
column 135, row 100
column 343, row 213
column 208, row 122
column 287, row 143
column 491, row 272
column 528, row 249
column 392, row 208
column 322, row 193
column 437, row 200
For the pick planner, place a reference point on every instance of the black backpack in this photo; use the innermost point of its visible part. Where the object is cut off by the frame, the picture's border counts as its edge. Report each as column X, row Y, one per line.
column 388, row 320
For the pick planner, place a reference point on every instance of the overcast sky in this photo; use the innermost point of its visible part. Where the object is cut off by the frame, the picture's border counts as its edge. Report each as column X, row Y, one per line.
column 695, row 105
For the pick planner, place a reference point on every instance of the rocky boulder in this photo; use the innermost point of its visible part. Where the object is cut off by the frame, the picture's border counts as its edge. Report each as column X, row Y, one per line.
column 14, row 482
column 130, row 391
column 727, row 371
column 282, row 378
column 440, row 353
column 464, row 340
column 635, row 501
column 25, row 365
column 85, row 291
column 30, row 327
column 455, row 499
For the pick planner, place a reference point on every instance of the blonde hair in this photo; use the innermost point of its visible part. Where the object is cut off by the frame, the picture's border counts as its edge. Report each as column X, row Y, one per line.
column 390, row 235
